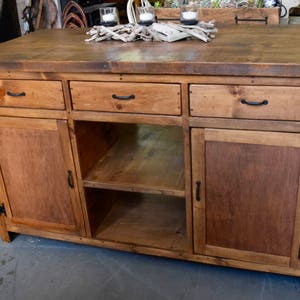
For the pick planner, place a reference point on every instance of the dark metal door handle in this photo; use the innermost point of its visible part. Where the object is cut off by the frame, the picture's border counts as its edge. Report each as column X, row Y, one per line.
column 129, row 97
column 70, row 179
column 254, row 103
column 22, row 94
column 198, row 186
column 264, row 20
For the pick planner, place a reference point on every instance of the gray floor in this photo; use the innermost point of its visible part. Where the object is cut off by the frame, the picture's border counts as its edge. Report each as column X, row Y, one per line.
column 34, row 268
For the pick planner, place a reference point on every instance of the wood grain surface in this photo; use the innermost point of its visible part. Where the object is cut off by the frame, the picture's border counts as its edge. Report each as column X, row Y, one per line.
column 251, row 196
column 243, row 50
column 147, row 220
column 224, row 15
column 34, row 172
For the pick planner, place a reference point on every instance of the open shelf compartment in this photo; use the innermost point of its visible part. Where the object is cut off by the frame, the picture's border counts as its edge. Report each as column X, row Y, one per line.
column 149, row 220
column 131, row 157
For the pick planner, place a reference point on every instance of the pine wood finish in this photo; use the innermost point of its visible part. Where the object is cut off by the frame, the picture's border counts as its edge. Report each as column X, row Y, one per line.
column 144, row 159
column 251, row 191
column 225, row 15
column 138, row 167
column 100, row 97
column 147, row 220
column 242, row 50
column 226, row 101
column 31, row 94
column 35, row 173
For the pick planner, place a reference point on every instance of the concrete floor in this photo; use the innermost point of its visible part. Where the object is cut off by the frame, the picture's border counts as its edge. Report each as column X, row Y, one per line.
column 40, row 269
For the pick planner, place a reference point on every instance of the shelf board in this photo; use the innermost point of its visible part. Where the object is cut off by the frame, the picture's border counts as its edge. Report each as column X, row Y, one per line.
column 146, row 220
column 147, row 159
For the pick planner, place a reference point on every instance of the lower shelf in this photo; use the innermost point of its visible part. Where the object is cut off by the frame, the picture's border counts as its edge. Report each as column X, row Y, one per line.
column 147, row 220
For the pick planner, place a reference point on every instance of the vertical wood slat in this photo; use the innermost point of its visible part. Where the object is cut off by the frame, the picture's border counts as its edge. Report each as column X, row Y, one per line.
column 187, row 166
column 295, row 253
column 82, row 195
column 64, row 137
column 198, row 174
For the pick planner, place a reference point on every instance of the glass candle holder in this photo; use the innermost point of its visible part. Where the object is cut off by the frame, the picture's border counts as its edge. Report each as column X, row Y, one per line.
column 146, row 15
column 189, row 14
column 109, row 16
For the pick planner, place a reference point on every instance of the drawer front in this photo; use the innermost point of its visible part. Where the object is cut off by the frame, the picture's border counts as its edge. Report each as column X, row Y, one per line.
column 145, row 98
column 31, row 94
column 249, row 102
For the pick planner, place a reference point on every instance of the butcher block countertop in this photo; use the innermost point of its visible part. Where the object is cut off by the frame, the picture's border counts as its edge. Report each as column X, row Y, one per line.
column 237, row 50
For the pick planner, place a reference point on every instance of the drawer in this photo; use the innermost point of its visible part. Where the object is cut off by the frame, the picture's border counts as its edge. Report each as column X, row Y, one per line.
column 31, row 94
column 145, row 98
column 249, row 102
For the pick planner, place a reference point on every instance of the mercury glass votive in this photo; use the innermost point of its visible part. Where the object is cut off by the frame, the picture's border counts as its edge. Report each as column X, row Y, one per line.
column 146, row 15
column 189, row 14
column 109, row 16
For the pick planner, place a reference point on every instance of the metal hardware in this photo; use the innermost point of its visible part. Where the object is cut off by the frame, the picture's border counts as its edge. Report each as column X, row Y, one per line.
column 2, row 210
column 70, row 179
column 237, row 20
column 254, row 103
column 22, row 94
column 198, row 185
column 130, row 97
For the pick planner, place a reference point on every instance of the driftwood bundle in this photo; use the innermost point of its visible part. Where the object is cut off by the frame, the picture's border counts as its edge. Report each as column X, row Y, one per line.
column 162, row 32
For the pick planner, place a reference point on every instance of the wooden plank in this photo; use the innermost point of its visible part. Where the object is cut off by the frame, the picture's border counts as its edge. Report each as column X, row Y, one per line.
column 126, row 118
column 159, row 252
column 3, row 230
column 146, row 220
column 283, row 103
column 198, row 175
column 33, row 113
column 295, row 252
column 258, row 125
column 187, row 166
column 93, row 140
column 31, row 159
column 223, row 15
column 163, row 99
column 232, row 53
column 253, row 137
column 36, row 94
column 190, row 79
column 27, row 123
column 39, row 15
column 146, row 158
column 98, row 204
column 67, row 155
column 79, row 178
column 262, row 258
column 251, row 193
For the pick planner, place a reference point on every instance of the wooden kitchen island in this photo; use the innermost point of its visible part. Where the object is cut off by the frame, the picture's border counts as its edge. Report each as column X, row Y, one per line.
column 185, row 150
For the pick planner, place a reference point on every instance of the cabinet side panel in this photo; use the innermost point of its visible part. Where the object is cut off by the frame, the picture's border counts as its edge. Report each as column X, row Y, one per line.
column 35, row 176
column 251, row 193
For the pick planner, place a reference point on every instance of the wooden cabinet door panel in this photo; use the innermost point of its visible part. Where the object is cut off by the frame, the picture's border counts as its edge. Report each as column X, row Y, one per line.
column 251, row 189
column 35, row 173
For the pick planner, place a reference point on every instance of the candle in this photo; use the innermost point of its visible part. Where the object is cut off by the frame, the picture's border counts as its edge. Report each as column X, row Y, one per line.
column 146, row 17
column 189, row 15
column 108, row 17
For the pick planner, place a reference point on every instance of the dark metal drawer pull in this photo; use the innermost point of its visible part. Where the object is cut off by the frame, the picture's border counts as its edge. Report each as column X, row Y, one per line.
column 130, row 97
column 70, row 179
column 264, row 19
column 198, row 185
column 255, row 103
column 22, row 94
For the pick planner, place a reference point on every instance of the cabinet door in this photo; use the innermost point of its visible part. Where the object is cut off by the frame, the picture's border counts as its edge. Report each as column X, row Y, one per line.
column 246, row 187
column 36, row 164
